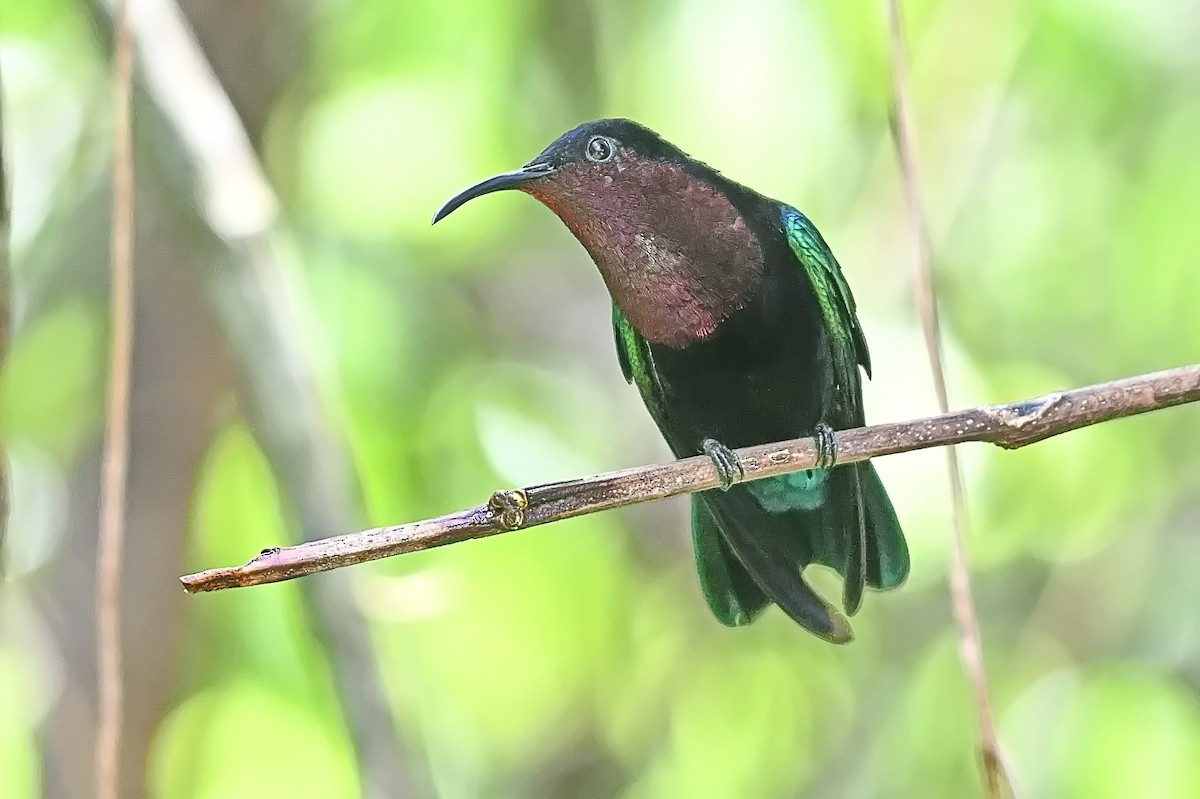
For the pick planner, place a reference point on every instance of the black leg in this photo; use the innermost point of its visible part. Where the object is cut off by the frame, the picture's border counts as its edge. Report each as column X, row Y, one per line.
column 726, row 460
column 826, row 446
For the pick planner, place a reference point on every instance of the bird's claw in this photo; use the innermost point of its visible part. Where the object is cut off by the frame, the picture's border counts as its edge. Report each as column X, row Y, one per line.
column 729, row 465
column 826, row 446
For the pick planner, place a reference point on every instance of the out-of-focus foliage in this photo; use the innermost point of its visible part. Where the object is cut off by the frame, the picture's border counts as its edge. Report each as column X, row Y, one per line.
column 1059, row 148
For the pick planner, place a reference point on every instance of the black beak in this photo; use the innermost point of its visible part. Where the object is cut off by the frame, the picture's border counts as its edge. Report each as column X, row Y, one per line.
column 506, row 180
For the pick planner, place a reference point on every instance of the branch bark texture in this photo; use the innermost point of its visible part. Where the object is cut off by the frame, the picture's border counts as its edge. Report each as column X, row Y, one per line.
column 1009, row 426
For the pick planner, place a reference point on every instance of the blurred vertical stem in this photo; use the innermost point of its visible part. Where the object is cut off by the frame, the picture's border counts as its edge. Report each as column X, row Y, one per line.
column 903, row 132
column 203, row 151
column 116, row 434
column 5, row 322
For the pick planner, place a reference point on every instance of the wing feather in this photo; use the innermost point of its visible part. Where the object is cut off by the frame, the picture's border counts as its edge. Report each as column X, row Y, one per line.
column 847, row 351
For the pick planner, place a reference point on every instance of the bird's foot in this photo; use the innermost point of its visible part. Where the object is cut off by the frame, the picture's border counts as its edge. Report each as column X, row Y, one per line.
column 729, row 465
column 826, row 446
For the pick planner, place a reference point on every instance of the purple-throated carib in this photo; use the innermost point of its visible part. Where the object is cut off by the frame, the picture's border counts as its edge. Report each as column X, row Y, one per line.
column 733, row 319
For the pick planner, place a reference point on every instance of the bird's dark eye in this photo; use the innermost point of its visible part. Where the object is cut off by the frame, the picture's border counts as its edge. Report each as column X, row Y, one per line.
column 599, row 149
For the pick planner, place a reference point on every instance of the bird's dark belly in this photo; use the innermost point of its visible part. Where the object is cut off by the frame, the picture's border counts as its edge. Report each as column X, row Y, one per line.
column 743, row 390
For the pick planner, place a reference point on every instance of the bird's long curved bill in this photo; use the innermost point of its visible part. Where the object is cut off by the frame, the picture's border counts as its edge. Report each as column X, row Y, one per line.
column 506, row 180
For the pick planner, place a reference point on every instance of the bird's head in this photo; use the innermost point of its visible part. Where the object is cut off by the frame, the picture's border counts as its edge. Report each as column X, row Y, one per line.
column 675, row 251
column 599, row 170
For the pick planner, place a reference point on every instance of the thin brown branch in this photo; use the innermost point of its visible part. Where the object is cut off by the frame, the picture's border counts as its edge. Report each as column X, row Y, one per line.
column 1009, row 426
column 116, row 437
column 249, row 271
column 971, row 645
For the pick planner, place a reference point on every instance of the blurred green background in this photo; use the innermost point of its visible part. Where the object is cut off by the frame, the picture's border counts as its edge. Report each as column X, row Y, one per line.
column 1059, row 147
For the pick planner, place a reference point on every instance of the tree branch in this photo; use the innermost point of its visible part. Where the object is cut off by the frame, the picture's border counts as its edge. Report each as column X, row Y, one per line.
column 962, row 600
column 114, row 474
column 1010, row 426
column 249, row 259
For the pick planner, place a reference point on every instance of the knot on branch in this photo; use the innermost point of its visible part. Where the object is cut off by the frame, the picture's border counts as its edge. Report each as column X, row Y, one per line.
column 1018, row 416
column 508, row 506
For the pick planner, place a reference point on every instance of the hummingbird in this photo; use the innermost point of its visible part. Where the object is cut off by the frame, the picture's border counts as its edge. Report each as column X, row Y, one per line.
column 734, row 321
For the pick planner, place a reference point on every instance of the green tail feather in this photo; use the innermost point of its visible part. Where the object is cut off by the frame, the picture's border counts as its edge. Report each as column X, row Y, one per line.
column 887, row 551
column 732, row 595
column 748, row 555
column 770, row 550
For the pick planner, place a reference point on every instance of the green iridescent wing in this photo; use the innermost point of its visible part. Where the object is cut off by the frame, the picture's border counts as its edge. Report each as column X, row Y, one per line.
column 637, row 364
column 848, row 347
column 862, row 530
